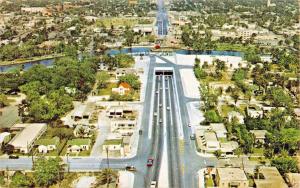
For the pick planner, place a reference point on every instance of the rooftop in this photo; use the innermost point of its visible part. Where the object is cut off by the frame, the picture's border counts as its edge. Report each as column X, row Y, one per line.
column 272, row 178
column 259, row 133
column 231, row 174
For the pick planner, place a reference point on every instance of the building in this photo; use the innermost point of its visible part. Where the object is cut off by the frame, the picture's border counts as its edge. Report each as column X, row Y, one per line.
column 47, row 144
column 78, row 145
column 119, row 111
column 259, row 135
column 144, row 29
column 255, row 112
column 124, row 88
column 113, row 147
column 293, row 179
column 228, row 147
column 4, row 138
column 270, row 178
column 124, row 71
column 82, row 113
column 123, row 126
column 235, row 115
column 219, row 129
column 24, row 141
column 231, row 177
column 207, row 141
column 82, row 131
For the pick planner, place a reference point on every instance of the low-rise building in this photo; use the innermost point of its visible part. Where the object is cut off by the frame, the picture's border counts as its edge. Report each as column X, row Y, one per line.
column 118, row 111
column 124, row 71
column 79, row 144
column 4, row 138
column 231, row 177
column 122, row 89
column 219, row 129
column 293, row 179
column 259, row 135
column 207, row 141
column 47, row 144
column 113, row 147
column 228, row 147
column 254, row 112
column 269, row 177
column 123, row 126
column 235, row 115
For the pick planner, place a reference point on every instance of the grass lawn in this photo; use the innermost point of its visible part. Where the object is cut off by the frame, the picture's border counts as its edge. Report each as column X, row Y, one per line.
column 259, row 151
column 226, row 109
column 232, row 47
column 107, row 90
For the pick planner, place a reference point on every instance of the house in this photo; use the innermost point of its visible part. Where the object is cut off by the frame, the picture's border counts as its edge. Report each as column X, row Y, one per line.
column 228, row 147
column 102, row 67
column 113, row 147
column 82, row 113
column 219, row 129
column 47, row 144
column 293, row 179
column 270, row 178
column 119, row 111
column 206, row 141
column 144, row 29
column 123, row 126
column 78, row 144
column 259, row 135
column 124, row 88
column 235, row 115
column 254, row 112
column 24, row 141
column 4, row 138
column 82, row 131
column 124, row 71
column 231, row 177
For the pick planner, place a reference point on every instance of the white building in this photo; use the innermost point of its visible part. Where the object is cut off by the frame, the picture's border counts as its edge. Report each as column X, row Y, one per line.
column 24, row 141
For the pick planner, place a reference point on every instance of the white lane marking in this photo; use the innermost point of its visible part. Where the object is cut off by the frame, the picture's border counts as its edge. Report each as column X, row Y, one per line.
column 151, row 107
column 163, row 180
column 177, row 107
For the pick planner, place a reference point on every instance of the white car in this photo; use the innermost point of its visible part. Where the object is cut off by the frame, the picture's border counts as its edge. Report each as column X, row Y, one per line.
column 168, row 108
column 155, row 113
column 189, row 125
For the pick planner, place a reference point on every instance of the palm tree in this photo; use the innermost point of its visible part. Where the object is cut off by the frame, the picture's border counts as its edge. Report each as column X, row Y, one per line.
column 107, row 177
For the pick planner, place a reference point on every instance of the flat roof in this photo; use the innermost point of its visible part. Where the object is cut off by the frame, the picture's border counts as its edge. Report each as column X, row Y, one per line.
column 210, row 137
column 232, row 174
column 218, row 127
column 27, row 135
column 272, row 178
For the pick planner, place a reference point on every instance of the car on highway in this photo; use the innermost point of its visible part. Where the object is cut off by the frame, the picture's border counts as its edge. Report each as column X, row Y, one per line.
column 150, row 162
column 157, row 92
column 140, row 132
column 192, row 137
column 13, row 157
column 155, row 113
column 168, row 108
column 160, row 121
column 189, row 125
column 130, row 168
column 153, row 184
column 160, row 105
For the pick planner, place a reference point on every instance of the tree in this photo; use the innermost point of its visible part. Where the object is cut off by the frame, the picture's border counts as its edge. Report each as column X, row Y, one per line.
column 279, row 97
column 46, row 171
column 107, row 176
column 285, row 164
column 289, row 138
column 124, row 60
column 21, row 180
column 3, row 100
column 102, row 78
column 132, row 80
column 129, row 37
column 211, row 116
column 218, row 153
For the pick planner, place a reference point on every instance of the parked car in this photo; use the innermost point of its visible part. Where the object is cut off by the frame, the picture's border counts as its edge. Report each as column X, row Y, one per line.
column 153, row 184
column 192, row 137
column 140, row 132
column 13, row 157
column 130, row 168
column 150, row 162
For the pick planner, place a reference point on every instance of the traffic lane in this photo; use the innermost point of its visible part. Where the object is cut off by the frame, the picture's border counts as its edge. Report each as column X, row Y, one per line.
column 178, row 168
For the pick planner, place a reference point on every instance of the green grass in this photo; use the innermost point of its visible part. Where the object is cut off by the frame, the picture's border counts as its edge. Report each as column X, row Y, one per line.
column 258, row 151
column 107, row 90
column 226, row 109
column 209, row 182
column 232, row 47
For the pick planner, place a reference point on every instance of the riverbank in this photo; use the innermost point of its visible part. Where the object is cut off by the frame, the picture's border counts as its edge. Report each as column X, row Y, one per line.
column 30, row 60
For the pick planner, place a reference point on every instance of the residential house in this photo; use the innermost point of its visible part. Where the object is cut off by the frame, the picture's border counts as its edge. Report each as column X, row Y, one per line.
column 102, row 67
column 228, row 147
column 124, row 71
column 82, row 131
column 259, row 135
column 47, row 144
column 24, row 141
column 124, row 88
column 235, row 115
column 206, row 141
column 144, row 29
column 231, row 177
column 123, row 126
column 78, row 144
column 255, row 112
column 270, row 178
column 219, row 129
column 113, row 147
column 4, row 138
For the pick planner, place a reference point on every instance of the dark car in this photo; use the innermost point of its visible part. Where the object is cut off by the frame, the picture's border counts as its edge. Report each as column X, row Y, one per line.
column 150, row 162
column 13, row 157
column 130, row 168
column 140, row 132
